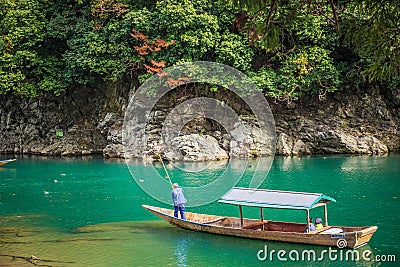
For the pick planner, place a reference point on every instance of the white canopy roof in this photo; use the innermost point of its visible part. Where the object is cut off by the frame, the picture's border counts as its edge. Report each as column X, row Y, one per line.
column 274, row 198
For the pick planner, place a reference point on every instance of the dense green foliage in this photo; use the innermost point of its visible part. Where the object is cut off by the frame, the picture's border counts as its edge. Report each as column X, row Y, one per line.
column 25, row 66
column 365, row 43
column 373, row 30
column 285, row 47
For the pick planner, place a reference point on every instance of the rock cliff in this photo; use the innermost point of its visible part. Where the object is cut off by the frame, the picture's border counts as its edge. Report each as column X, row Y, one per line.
column 356, row 122
column 89, row 121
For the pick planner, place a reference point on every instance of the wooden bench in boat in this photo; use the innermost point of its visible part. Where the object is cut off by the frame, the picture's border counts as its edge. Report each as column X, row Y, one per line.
column 214, row 220
column 254, row 225
column 285, row 227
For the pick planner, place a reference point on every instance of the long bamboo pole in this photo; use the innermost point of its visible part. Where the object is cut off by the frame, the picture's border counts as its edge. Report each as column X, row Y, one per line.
column 165, row 169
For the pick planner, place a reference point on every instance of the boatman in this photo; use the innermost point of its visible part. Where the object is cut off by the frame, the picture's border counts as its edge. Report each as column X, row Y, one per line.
column 179, row 201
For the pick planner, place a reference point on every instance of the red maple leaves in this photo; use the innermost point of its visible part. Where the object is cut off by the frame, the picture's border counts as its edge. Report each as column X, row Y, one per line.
column 147, row 47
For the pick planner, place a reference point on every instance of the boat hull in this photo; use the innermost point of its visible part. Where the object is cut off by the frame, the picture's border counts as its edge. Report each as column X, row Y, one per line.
column 268, row 230
column 3, row 162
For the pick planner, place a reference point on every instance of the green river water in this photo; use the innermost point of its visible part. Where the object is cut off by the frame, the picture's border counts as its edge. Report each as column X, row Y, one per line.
column 87, row 212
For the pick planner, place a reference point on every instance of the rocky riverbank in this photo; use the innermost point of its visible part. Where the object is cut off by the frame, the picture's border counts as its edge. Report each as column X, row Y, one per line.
column 356, row 122
column 89, row 121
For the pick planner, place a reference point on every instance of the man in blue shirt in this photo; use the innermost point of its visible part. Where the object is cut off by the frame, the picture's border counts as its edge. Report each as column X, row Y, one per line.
column 179, row 201
column 312, row 226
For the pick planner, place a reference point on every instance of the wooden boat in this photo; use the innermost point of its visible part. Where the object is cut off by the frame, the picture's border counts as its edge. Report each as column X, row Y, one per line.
column 3, row 162
column 334, row 236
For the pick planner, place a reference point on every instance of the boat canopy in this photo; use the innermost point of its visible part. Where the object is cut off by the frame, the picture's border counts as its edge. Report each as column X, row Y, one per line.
column 264, row 198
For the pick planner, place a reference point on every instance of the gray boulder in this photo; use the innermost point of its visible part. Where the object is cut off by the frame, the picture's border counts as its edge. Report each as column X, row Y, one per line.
column 195, row 147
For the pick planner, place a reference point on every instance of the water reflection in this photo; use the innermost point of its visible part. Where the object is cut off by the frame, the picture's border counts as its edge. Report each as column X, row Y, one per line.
column 292, row 163
column 196, row 166
column 181, row 250
column 366, row 256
